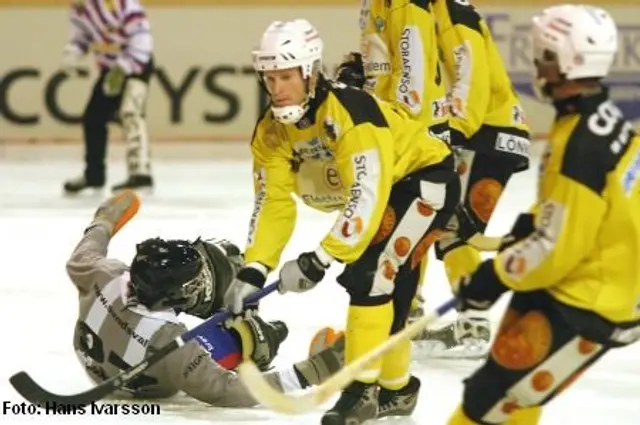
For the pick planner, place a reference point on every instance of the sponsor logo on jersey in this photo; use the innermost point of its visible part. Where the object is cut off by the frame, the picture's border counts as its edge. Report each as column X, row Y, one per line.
column 630, row 176
column 260, row 183
column 411, row 82
column 361, row 198
column 313, row 149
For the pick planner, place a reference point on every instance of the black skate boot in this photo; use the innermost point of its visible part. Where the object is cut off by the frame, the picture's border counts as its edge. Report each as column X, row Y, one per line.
column 400, row 402
column 134, row 182
column 79, row 184
column 357, row 403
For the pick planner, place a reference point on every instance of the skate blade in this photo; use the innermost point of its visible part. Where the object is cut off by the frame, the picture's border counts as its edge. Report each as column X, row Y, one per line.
column 437, row 350
column 88, row 193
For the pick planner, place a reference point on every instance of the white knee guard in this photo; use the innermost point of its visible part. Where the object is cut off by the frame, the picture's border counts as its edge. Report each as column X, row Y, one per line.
column 134, row 127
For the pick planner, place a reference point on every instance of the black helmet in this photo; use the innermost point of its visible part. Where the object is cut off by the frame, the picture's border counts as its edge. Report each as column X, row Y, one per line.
column 169, row 273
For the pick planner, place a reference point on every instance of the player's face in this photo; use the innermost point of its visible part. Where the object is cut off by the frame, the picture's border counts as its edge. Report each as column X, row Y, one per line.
column 286, row 86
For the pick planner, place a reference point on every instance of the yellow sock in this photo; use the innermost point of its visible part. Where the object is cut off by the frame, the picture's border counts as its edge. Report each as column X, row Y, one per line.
column 367, row 327
column 526, row 416
column 460, row 262
column 459, row 418
column 395, row 367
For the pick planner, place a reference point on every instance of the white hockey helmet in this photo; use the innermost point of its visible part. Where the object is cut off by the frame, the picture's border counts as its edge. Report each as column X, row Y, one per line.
column 583, row 38
column 287, row 45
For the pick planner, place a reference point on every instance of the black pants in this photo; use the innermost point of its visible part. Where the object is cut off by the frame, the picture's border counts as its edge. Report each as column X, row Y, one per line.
column 483, row 179
column 542, row 346
column 406, row 205
column 99, row 112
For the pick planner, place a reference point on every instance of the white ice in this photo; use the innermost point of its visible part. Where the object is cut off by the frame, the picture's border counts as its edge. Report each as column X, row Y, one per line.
column 212, row 196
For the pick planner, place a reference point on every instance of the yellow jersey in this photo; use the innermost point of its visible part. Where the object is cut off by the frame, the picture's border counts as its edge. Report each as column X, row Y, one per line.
column 345, row 154
column 586, row 248
column 399, row 52
column 481, row 92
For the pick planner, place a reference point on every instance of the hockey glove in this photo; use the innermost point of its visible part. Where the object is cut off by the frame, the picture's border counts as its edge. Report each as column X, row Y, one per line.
column 260, row 340
column 522, row 228
column 301, row 274
column 114, row 81
column 351, row 71
column 248, row 280
column 479, row 290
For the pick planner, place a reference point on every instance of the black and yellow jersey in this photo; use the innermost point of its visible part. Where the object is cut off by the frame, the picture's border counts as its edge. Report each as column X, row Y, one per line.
column 400, row 55
column 481, row 98
column 345, row 155
column 586, row 247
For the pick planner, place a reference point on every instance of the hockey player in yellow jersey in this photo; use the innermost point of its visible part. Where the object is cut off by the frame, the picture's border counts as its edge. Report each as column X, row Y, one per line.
column 394, row 185
column 398, row 60
column 572, row 261
column 404, row 43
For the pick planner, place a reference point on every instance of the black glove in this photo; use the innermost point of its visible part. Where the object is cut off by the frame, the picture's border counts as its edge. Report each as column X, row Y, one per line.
column 479, row 290
column 351, row 71
column 260, row 340
column 522, row 228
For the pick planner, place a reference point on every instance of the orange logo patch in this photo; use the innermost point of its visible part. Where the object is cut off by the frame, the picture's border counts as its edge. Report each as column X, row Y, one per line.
column 524, row 342
column 423, row 246
column 351, row 227
column 402, row 246
column 484, row 196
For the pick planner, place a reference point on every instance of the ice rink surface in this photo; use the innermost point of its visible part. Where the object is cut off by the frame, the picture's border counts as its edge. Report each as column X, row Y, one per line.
column 212, row 197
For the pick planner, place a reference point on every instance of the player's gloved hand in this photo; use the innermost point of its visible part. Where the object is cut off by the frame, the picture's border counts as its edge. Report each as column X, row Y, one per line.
column 70, row 60
column 303, row 273
column 260, row 340
column 114, row 81
column 480, row 289
column 248, row 280
column 351, row 70
column 523, row 227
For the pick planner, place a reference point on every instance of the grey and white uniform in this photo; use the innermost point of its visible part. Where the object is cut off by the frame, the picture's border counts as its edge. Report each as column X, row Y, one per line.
column 112, row 334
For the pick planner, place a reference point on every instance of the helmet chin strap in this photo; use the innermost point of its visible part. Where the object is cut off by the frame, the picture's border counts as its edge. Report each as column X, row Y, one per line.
column 294, row 113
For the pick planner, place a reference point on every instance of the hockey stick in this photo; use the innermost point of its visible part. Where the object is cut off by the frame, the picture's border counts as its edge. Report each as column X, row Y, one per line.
column 34, row 393
column 270, row 397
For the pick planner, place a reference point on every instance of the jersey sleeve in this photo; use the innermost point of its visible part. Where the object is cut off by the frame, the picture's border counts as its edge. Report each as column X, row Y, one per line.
column 364, row 156
column 567, row 222
column 88, row 264
column 136, row 28
column 192, row 370
column 409, row 30
column 79, row 35
column 463, row 50
column 274, row 214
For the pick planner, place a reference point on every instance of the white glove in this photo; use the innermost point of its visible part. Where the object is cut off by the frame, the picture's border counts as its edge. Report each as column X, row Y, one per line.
column 305, row 272
column 70, row 63
column 248, row 280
